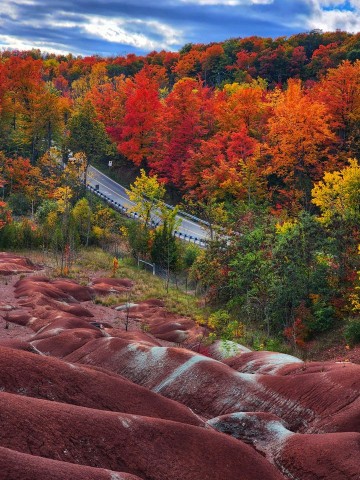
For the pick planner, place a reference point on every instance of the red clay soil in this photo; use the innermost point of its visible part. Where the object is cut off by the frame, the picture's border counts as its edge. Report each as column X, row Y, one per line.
column 128, row 402
column 149, row 448
column 45, row 377
column 332, row 456
column 16, row 344
column 261, row 362
column 322, row 401
column 11, row 264
column 69, row 290
column 163, row 324
column 61, row 290
column 64, row 342
column 22, row 466
column 107, row 286
column 308, row 457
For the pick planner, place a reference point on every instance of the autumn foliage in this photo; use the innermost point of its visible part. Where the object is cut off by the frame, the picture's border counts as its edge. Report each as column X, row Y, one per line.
column 232, row 129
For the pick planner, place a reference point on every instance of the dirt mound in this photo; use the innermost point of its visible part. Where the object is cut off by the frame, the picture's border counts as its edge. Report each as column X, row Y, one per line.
column 65, row 290
column 21, row 466
column 64, row 342
column 31, row 287
column 17, row 345
column 62, row 324
column 147, row 447
column 44, row 377
column 106, row 286
column 48, row 303
column 223, row 349
column 79, row 292
column 20, row 318
column 11, row 264
column 6, row 307
column 163, row 324
column 262, row 362
column 304, row 456
column 319, row 402
column 135, row 337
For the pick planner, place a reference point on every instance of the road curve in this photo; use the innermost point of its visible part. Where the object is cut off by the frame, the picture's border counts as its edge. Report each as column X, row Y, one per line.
column 190, row 229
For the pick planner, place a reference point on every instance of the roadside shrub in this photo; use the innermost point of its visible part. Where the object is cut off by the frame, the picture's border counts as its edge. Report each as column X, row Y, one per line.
column 189, row 255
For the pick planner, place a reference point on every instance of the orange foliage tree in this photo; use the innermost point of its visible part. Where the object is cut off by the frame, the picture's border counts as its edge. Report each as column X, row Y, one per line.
column 298, row 141
column 340, row 91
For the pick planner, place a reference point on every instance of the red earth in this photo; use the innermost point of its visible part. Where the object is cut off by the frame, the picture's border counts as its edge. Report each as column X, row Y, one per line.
column 82, row 398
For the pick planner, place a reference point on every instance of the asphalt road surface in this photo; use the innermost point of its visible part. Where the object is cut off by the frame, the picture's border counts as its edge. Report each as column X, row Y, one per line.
column 190, row 229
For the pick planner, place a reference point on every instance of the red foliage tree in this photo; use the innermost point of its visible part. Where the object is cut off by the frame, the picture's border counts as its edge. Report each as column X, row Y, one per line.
column 187, row 119
column 142, row 109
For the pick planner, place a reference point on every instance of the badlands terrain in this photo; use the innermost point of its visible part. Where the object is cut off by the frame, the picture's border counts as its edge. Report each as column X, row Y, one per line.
column 82, row 398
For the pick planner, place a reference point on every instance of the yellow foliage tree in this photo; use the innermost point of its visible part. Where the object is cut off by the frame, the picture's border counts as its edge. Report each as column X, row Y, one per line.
column 338, row 194
column 147, row 194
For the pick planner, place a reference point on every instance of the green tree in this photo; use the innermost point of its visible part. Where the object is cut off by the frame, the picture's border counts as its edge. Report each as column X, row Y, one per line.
column 87, row 134
column 82, row 216
column 75, row 173
column 303, row 273
column 165, row 250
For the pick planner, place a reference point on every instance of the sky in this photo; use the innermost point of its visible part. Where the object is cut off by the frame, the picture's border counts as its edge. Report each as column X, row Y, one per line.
column 120, row 27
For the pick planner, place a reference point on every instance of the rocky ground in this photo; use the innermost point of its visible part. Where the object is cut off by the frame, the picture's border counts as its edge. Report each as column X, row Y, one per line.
column 82, row 398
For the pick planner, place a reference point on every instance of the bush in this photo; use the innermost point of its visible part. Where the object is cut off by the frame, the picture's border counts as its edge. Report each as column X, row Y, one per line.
column 139, row 239
column 19, row 204
column 352, row 331
column 190, row 254
column 46, row 207
column 322, row 320
column 226, row 327
column 19, row 235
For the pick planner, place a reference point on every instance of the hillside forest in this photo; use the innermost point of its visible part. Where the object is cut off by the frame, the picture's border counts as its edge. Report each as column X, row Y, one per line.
column 260, row 137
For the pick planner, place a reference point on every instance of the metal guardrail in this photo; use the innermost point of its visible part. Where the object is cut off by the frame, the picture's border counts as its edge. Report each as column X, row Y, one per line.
column 171, row 207
column 135, row 216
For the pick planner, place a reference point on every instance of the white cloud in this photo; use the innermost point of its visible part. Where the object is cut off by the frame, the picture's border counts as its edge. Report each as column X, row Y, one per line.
column 8, row 8
column 137, row 33
column 143, row 34
column 329, row 15
column 13, row 43
column 331, row 20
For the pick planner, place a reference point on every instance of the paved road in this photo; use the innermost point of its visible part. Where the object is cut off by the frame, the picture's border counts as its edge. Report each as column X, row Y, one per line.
column 190, row 229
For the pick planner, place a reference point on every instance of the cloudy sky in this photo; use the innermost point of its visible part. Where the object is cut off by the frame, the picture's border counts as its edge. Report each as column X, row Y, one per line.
column 119, row 27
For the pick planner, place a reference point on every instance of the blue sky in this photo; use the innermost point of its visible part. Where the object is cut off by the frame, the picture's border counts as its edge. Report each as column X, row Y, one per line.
column 119, row 27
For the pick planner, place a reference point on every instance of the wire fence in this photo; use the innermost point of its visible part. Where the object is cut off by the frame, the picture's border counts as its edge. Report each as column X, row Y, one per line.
column 179, row 280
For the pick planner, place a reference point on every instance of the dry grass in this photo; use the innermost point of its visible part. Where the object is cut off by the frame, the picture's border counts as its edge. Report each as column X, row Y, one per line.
column 146, row 285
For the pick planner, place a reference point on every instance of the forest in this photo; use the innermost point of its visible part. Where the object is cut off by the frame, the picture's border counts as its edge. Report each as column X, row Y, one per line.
column 260, row 137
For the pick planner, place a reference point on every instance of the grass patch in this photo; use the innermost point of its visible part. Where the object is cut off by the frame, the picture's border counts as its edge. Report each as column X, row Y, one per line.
column 109, row 300
column 94, row 259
